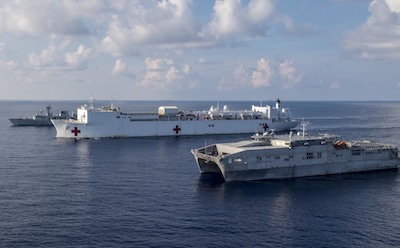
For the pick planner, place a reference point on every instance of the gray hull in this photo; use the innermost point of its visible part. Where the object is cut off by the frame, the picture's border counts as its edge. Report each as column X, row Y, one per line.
column 30, row 122
column 285, row 156
column 209, row 166
column 306, row 171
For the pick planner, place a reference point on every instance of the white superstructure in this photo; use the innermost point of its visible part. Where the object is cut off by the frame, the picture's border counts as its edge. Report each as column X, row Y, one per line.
column 170, row 121
column 271, row 156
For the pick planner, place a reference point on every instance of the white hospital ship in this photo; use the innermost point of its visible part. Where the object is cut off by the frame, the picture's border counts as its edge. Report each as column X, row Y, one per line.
column 110, row 122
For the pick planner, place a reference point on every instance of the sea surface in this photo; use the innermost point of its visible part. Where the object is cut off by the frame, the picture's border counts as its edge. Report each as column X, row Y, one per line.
column 148, row 192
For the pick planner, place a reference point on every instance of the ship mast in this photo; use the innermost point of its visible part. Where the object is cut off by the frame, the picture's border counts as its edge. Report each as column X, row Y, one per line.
column 304, row 125
column 91, row 102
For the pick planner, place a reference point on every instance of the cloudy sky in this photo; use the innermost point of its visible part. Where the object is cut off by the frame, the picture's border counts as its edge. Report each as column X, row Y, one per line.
column 200, row 49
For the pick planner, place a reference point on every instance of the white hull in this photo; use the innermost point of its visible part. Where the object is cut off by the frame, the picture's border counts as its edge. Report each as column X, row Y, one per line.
column 110, row 122
column 119, row 127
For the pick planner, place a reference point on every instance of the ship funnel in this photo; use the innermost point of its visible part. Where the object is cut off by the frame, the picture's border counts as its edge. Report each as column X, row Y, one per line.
column 278, row 104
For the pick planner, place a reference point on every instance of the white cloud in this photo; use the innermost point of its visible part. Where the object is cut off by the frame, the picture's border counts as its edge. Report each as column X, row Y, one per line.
column 290, row 28
column 261, row 77
column 171, row 24
column 165, row 73
column 78, row 59
column 259, row 10
column 46, row 58
column 119, row 67
column 52, row 58
column 172, row 74
column 8, row 65
column 187, row 69
column 231, row 18
column 2, row 47
column 129, row 27
column 47, row 18
column 242, row 75
column 159, row 23
column 394, row 5
column 204, row 61
column 335, row 85
column 379, row 37
column 288, row 73
column 266, row 74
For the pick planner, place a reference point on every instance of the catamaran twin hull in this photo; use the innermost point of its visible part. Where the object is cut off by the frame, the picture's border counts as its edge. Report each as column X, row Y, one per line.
column 271, row 156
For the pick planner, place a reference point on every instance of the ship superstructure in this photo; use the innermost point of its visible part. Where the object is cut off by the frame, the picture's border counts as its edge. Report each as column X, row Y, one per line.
column 111, row 122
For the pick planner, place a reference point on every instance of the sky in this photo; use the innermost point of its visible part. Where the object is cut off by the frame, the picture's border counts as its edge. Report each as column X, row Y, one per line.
column 307, row 50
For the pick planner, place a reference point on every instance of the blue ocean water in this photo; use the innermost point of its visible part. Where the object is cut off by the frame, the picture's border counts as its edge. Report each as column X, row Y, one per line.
column 147, row 192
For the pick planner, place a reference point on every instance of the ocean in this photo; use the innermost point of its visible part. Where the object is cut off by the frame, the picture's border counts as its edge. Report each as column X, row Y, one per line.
column 148, row 192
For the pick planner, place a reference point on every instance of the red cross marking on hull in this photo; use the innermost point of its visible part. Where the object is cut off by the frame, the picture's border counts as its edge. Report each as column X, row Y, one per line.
column 177, row 129
column 75, row 131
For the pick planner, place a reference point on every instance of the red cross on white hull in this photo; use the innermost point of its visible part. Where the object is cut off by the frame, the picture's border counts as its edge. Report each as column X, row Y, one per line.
column 177, row 129
column 75, row 131
column 110, row 122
